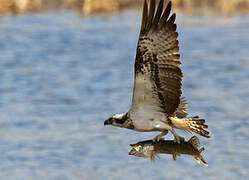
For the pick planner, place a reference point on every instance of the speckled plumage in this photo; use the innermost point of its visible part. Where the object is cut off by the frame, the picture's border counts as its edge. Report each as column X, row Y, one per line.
column 157, row 104
column 158, row 58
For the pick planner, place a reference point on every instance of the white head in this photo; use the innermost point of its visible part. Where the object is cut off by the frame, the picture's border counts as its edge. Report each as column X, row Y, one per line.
column 118, row 116
column 119, row 120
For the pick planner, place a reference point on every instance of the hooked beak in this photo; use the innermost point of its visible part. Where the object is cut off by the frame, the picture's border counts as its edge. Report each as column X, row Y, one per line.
column 108, row 122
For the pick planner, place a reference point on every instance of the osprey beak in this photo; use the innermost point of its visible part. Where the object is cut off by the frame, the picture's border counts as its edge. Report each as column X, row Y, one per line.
column 108, row 121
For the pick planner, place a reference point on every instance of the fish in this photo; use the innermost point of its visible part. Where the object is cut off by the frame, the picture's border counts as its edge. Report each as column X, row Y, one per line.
column 151, row 149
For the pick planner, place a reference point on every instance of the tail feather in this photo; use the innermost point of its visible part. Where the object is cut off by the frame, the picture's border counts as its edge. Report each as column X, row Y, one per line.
column 196, row 125
column 193, row 124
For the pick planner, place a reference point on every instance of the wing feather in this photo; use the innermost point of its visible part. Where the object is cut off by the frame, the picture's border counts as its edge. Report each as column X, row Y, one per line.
column 151, row 15
column 165, row 15
column 158, row 78
column 145, row 16
column 182, row 109
column 158, row 14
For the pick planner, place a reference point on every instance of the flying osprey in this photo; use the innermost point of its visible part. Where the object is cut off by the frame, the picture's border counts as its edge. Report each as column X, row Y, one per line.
column 157, row 104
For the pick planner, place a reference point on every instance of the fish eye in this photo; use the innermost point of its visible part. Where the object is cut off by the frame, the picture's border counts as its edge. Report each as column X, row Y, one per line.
column 137, row 148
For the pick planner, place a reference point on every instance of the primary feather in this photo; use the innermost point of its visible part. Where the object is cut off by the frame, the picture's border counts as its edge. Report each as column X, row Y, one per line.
column 157, row 61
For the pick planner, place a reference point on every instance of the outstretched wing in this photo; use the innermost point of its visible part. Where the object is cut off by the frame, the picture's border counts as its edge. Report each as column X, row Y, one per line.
column 181, row 111
column 158, row 78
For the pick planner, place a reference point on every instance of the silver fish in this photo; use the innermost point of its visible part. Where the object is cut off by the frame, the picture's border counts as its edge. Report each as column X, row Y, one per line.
column 150, row 149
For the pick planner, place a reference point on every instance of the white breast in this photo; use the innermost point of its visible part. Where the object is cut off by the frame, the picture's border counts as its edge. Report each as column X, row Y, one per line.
column 145, row 111
column 146, row 119
column 143, row 95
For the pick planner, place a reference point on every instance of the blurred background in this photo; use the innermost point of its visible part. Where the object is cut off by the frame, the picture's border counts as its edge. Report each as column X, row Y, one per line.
column 67, row 65
column 88, row 7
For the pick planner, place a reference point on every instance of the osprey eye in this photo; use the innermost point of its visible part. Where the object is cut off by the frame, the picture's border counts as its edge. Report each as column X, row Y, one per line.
column 120, row 121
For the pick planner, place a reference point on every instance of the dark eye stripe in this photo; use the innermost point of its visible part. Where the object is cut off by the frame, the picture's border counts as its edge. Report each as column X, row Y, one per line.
column 120, row 121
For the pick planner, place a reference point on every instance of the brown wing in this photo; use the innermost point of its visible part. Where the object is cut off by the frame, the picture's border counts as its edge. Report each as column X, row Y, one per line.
column 157, row 61
column 181, row 111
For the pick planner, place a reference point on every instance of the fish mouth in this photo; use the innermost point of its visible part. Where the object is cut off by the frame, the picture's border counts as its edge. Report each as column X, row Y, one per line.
column 136, row 151
column 132, row 152
column 108, row 122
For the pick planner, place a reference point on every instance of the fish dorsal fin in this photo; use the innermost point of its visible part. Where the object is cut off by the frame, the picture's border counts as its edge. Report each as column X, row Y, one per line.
column 195, row 142
column 174, row 157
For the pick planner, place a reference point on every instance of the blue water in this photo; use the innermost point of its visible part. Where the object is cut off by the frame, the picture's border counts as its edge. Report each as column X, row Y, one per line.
column 62, row 75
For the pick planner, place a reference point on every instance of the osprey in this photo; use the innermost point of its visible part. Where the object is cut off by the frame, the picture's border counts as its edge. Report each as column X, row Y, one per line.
column 156, row 103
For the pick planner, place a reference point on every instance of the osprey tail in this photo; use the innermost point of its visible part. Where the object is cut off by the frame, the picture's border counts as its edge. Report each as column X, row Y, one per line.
column 193, row 124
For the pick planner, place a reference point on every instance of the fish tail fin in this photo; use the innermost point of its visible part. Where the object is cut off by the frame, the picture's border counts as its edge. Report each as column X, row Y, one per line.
column 196, row 143
column 199, row 159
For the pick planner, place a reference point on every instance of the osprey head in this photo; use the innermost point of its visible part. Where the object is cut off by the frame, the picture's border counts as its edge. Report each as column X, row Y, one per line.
column 119, row 120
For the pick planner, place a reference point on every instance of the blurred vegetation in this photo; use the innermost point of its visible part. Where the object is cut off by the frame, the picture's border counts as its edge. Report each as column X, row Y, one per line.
column 88, row 7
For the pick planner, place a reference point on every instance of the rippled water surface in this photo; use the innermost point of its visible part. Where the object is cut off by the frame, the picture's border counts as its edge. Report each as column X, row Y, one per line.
column 62, row 75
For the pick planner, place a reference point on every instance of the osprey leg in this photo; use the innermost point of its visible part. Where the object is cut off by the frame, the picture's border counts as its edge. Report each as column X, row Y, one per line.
column 178, row 138
column 159, row 136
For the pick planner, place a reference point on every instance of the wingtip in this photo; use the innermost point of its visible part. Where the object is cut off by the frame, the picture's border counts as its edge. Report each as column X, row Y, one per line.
column 169, row 3
column 172, row 18
column 169, row 6
column 161, row 3
column 145, row 4
column 152, row 2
